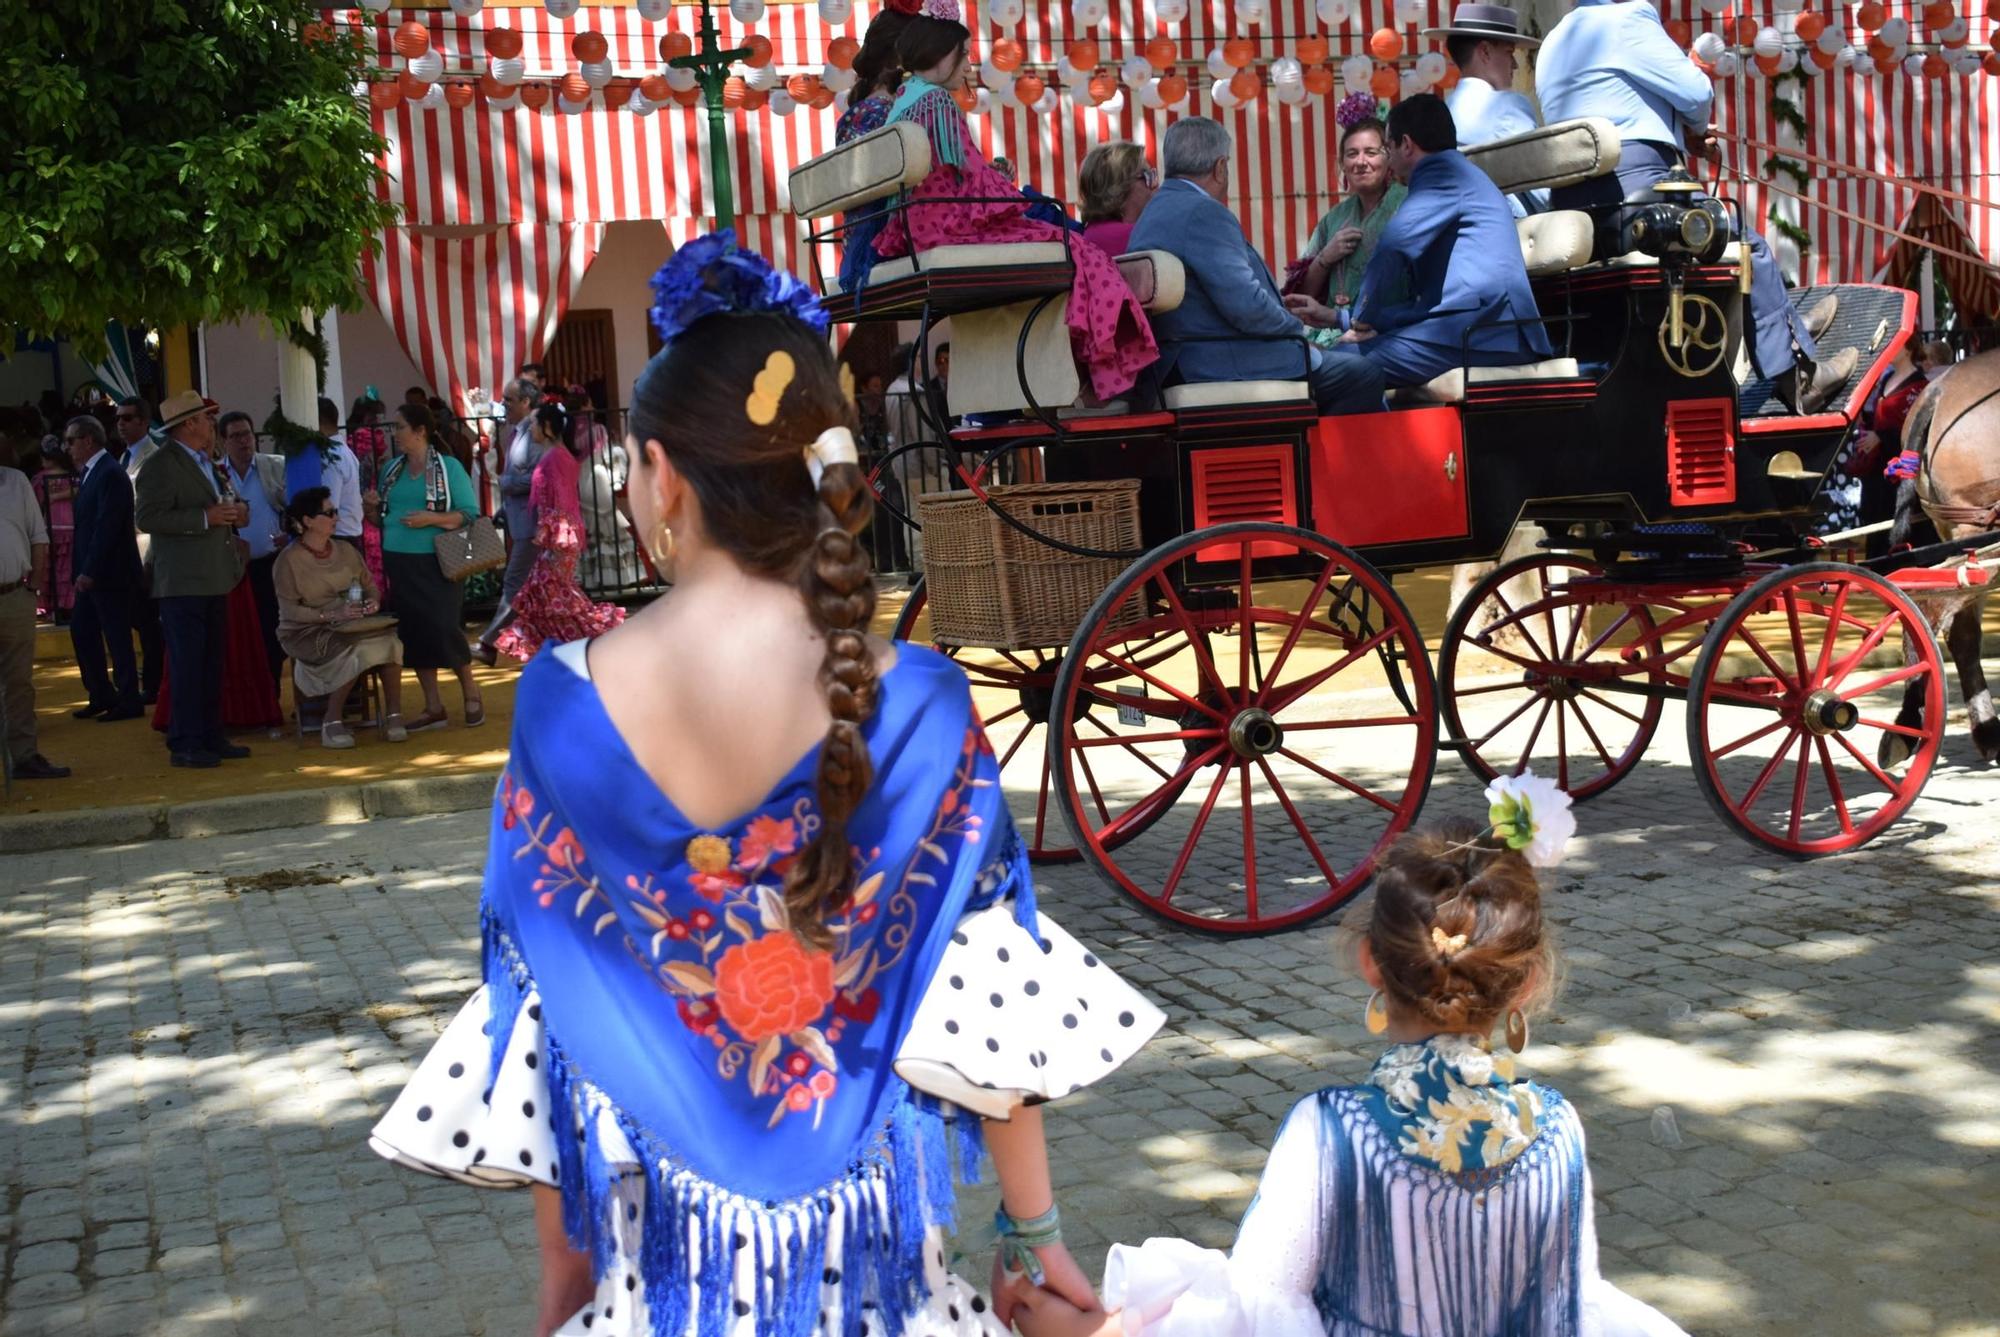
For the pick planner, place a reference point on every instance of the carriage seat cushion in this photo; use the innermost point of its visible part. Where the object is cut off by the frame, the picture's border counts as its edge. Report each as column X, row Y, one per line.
column 873, row 167
column 1214, row 394
column 1450, row 387
column 1000, row 255
column 1554, row 155
column 1156, row 278
column 1555, row 243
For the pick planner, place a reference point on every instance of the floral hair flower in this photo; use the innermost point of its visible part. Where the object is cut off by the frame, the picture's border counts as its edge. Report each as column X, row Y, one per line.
column 1532, row 815
column 944, row 11
column 906, row 6
column 712, row 274
column 1356, row 108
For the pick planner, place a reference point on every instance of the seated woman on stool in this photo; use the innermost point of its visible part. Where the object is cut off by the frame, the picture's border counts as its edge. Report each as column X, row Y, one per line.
column 314, row 577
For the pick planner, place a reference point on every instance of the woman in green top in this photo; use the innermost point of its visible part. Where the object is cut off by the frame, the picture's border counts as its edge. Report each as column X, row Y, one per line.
column 1338, row 253
column 425, row 490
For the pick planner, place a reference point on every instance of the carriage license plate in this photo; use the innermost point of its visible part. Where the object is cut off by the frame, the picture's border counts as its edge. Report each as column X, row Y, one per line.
column 1131, row 714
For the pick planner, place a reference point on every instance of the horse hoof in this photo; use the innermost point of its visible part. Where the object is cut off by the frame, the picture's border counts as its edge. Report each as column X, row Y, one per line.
column 1895, row 750
column 1986, row 737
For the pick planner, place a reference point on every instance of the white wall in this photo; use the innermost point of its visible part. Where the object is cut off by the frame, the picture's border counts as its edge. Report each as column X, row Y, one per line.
column 370, row 355
column 26, row 376
column 242, row 367
column 620, row 280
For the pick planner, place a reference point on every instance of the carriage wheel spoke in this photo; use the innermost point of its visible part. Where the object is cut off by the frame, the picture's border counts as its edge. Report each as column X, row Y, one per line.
column 1246, row 631
column 1202, row 658
column 1719, row 753
column 1173, row 881
column 1110, row 698
column 1015, row 746
column 1603, row 753
column 1532, row 665
column 1798, row 635
column 1729, row 694
column 992, row 720
column 1510, row 686
column 1042, row 799
column 1834, row 787
column 1886, row 727
column 1097, row 795
column 1274, row 704
column 1799, row 792
column 1372, row 722
column 1832, row 634
column 1749, row 638
column 1874, row 685
column 1756, row 790
column 1501, row 727
column 1127, row 743
column 1249, row 847
column 1528, row 752
column 1514, row 619
column 1300, row 624
column 1298, row 822
column 1549, row 610
column 1562, row 747
column 1610, row 631
column 1882, row 777
column 1339, row 779
column 1849, row 663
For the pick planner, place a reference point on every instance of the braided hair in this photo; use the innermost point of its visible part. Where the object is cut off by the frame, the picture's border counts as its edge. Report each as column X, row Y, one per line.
column 759, row 504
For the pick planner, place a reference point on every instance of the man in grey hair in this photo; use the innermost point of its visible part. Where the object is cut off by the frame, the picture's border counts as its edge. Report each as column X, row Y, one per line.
column 1232, row 325
column 518, row 457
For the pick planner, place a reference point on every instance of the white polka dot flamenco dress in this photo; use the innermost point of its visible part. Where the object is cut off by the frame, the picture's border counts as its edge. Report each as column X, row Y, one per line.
column 1005, row 1020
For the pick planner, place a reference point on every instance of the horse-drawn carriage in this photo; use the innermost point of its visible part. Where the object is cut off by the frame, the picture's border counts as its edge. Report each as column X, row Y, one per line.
column 1185, row 638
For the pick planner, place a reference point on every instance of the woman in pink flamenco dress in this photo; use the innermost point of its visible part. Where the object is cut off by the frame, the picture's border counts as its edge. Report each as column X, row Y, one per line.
column 964, row 201
column 552, row 606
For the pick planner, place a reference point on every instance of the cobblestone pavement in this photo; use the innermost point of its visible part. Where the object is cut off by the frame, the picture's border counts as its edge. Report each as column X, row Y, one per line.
column 1790, row 1073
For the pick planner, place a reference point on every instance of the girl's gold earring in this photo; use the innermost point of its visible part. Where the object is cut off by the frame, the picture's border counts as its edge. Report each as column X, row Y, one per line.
column 1376, row 1016
column 1517, row 1029
column 661, row 546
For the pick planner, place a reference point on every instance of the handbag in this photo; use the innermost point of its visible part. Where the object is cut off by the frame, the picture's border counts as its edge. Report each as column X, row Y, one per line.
column 470, row 549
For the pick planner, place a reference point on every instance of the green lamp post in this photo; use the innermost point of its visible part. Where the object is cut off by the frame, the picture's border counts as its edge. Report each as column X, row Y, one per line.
column 710, row 64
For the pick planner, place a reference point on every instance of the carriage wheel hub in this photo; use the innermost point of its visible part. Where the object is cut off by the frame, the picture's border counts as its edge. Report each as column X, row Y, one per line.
column 1826, row 713
column 1253, row 733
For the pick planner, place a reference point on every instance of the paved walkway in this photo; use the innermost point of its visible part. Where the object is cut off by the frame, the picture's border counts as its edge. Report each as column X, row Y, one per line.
column 1790, row 1073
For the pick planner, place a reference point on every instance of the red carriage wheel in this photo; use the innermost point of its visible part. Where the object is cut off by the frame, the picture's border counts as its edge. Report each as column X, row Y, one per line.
column 1265, row 707
column 1534, row 675
column 1797, row 686
column 1011, row 690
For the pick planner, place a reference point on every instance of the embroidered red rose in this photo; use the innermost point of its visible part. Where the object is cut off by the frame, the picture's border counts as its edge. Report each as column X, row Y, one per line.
column 765, row 837
column 772, row 986
column 697, row 1014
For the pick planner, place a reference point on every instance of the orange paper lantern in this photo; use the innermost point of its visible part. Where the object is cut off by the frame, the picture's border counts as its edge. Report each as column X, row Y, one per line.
column 824, row 99
column 534, row 96
column 1384, row 82
column 754, row 99
column 1102, row 88
column 841, row 51
column 1809, row 26
column 1769, row 64
column 655, row 88
column 1319, row 80
column 1938, row 15
column 1745, row 31
column 1006, row 55
column 1238, row 52
column 410, row 86
column 674, row 45
column 1174, row 87
column 1082, row 53
column 589, row 47
column 492, row 89
column 412, row 40
column 689, row 96
column 503, row 42
column 1888, row 64
column 316, row 34
column 1681, row 31
column 1992, row 63
column 1161, row 52
column 458, row 95
column 1826, row 60
column 733, row 89
column 1935, row 66
column 1247, row 85
column 1385, row 44
column 1879, row 50
column 966, row 99
column 1029, row 89
column 802, row 87
column 1311, row 51
column 759, row 47
column 385, row 96
column 574, row 87
column 1871, row 16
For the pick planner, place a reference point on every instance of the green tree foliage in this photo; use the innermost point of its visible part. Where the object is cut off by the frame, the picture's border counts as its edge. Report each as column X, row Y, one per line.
column 170, row 161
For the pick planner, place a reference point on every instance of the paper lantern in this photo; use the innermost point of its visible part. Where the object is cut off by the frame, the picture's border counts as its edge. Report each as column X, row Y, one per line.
column 1708, row 46
column 674, row 45
column 747, row 11
column 1287, row 72
column 508, row 72
column 837, row 79
column 385, row 95
column 1451, row 78
column 1430, row 67
column 1831, row 41
column 1219, row 94
column 1082, row 53
column 1253, row 12
column 1319, row 81
column 1937, row 14
column 1727, row 65
column 1990, row 62
column 679, row 78
column 1238, row 52
column 574, row 87
column 533, row 96
column 494, row 89
column 1809, row 27
column 433, row 99
column 733, row 91
column 759, row 48
column 412, row 40
column 503, row 43
column 1933, row 66
column 1384, row 82
column 992, row 76
column 1822, row 60
column 1135, row 71
column 590, row 46
column 1102, row 88
column 689, row 96
column 1292, row 95
column 1846, row 57
column 1385, row 45
column 823, row 99
column 835, row 12
column 1311, row 50
column 1174, row 87
column 965, row 98
column 1355, row 72
column 1896, row 32
column 598, row 73
column 653, row 11
column 1218, row 65
column 783, row 103
column 1410, row 12
column 1880, row 50
column 1743, row 32
column 1886, row 64
column 1028, row 89
column 841, row 51
column 755, row 99
column 458, row 94
column 1955, row 34
column 1005, row 55
column 1681, row 31
column 762, row 78
column 1162, row 52
column 1088, row 13
column 638, row 105
column 1005, row 13
column 1871, row 16
column 428, row 68
column 1964, row 63
column 1767, row 42
column 1335, row 14
column 802, row 87
column 1170, row 11
column 410, row 87
column 562, row 9
column 655, row 88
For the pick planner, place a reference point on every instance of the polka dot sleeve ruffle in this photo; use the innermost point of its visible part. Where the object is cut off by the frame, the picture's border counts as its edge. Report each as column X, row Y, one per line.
column 1013, row 1017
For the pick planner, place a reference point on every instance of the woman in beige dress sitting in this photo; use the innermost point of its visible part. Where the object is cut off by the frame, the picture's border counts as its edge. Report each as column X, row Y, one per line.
column 321, row 585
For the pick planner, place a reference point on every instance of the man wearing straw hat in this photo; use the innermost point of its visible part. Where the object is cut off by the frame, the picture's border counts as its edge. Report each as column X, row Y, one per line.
column 1482, row 41
column 180, row 502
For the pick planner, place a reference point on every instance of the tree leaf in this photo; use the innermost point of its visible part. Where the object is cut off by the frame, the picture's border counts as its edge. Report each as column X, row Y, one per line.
column 761, row 1061
column 809, row 1039
column 695, row 979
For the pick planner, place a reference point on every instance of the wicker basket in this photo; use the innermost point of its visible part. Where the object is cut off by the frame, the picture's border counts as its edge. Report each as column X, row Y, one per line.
column 991, row 585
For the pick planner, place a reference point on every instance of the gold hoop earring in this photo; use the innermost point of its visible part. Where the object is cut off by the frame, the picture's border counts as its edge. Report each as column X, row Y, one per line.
column 1517, row 1029
column 1376, row 1016
column 661, row 546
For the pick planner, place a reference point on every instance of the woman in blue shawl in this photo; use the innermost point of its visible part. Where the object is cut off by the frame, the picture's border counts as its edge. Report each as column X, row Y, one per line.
column 758, row 930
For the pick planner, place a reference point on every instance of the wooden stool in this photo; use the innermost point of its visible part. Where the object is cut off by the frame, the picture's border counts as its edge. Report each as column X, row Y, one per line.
column 310, row 711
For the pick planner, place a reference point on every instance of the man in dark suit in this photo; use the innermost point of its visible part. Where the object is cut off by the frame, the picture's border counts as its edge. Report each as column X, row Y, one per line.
column 134, row 424
column 105, row 561
column 195, row 565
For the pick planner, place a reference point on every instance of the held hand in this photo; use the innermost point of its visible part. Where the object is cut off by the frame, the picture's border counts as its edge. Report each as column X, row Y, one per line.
column 222, row 515
column 1311, row 311
column 416, row 519
column 1063, row 1277
column 84, row 584
column 1042, row 1314
column 1358, row 334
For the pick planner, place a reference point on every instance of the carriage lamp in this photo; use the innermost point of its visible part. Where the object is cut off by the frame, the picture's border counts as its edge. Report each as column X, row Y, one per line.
column 1682, row 223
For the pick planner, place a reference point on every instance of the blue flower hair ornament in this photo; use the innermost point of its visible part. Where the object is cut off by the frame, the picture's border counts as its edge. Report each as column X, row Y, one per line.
column 712, row 274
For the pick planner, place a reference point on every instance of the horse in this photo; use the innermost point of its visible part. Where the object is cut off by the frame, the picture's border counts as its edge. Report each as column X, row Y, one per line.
column 1955, row 429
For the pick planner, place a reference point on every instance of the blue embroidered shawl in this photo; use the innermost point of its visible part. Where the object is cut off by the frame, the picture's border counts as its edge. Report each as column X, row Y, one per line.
column 754, row 1074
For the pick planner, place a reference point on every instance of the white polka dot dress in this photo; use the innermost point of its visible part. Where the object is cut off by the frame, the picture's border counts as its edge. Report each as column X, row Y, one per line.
column 1010, row 1017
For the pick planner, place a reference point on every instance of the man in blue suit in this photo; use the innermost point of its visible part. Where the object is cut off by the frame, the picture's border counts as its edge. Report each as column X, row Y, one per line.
column 1453, row 250
column 108, row 576
column 1232, row 325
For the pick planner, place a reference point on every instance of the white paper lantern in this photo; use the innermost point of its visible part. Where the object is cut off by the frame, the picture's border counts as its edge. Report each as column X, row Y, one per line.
column 746, row 11
column 993, row 76
column 653, row 11
column 1847, row 57
column 1409, row 12
column 1003, row 97
column 1788, row 60
column 1411, row 83
column 1135, row 71
column 597, row 73
column 1966, row 62
column 982, row 103
column 1292, row 96
column 562, row 9
column 1005, row 13
column 1114, row 104
column 568, row 108
column 376, row 6
column 1767, row 42
column 679, row 79
column 1355, row 72
column 465, row 9
column 508, row 103
column 427, row 68
column 1708, row 46
column 1146, row 94
column 1727, row 65
column 1253, row 12
column 509, row 71
column 638, row 105
column 1170, row 11
column 1430, row 67
column 1811, row 69
column 1287, row 72
column 1218, row 68
column 1088, row 13
column 763, row 79
column 837, row 79
column 1896, row 32
column 782, row 103
column 1913, row 65
column 1220, row 94
column 1068, row 75
column 432, row 99
column 1831, row 40
column 835, row 12
column 1955, row 31
column 1045, row 105
column 1335, row 14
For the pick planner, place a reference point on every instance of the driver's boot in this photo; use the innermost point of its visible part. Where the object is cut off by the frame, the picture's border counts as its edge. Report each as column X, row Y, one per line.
column 1809, row 386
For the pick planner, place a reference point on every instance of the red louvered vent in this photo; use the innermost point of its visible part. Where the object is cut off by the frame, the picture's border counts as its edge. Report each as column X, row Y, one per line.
column 1239, row 483
column 1701, row 452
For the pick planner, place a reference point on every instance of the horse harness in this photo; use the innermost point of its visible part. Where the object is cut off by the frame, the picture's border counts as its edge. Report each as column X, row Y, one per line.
column 1986, row 516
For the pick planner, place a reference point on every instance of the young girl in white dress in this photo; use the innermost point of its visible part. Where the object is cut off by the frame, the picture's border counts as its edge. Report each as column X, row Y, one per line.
column 1446, row 1195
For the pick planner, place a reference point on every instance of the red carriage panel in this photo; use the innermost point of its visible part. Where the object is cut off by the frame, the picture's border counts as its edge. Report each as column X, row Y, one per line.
column 1389, row 477
column 1245, row 483
column 1701, row 452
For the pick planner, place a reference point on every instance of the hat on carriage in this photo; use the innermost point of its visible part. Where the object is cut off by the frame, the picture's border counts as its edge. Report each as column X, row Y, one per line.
column 1493, row 23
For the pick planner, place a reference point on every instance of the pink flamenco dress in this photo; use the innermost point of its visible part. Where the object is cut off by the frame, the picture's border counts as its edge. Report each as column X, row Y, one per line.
column 552, row 605
column 965, row 202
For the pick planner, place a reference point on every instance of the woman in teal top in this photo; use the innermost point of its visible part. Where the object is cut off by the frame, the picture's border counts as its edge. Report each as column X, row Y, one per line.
column 425, row 490
column 1338, row 253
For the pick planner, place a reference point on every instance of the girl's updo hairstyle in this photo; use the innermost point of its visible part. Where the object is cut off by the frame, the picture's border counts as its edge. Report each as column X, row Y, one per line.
column 303, row 508
column 554, row 419
column 1445, row 880
column 875, row 66
column 758, row 504
column 926, row 42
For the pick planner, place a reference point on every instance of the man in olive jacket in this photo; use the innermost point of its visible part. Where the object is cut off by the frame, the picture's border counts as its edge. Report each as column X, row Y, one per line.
column 180, row 502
